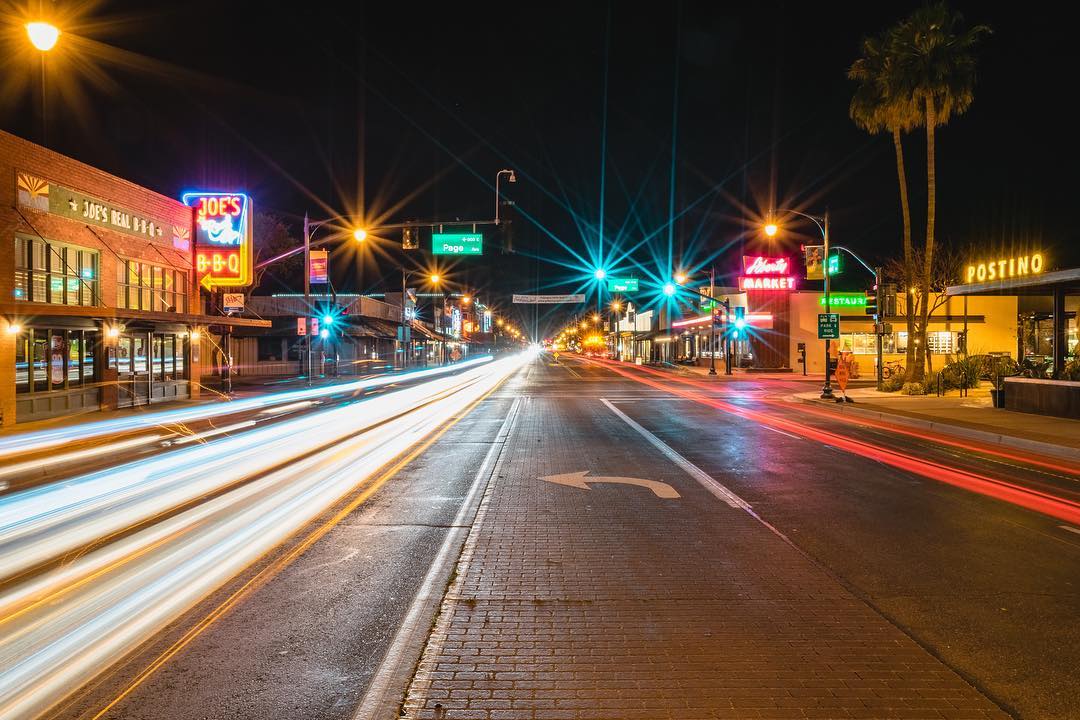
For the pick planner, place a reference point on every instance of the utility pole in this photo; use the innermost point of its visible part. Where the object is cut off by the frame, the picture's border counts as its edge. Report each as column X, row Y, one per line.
column 307, row 298
column 712, row 337
column 826, row 390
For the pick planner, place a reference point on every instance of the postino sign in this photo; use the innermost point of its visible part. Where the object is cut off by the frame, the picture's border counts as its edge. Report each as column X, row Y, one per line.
column 766, row 273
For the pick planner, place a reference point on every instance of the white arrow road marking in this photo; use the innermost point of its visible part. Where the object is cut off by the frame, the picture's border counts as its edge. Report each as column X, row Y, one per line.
column 578, row 480
column 690, row 468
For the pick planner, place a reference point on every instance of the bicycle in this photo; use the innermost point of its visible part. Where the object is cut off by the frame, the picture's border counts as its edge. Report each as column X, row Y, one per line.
column 890, row 368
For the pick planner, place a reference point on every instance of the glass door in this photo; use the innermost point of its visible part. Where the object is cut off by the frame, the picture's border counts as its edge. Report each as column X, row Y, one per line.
column 140, row 365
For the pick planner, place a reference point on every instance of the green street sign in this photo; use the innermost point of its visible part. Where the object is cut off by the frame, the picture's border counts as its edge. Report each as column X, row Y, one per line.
column 844, row 300
column 622, row 285
column 457, row 243
column 836, row 264
column 828, row 326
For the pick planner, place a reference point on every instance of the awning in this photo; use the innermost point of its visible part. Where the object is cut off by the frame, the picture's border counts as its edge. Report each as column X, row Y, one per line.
column 30, row 311
column 422, row 330
column 381, row 329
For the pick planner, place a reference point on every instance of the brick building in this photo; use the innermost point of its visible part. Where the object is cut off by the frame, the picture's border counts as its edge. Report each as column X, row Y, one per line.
column 98, row 299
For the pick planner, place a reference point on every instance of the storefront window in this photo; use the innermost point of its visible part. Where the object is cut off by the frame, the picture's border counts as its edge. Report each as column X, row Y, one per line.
column 158, row 366
column 866, row 343
column 38, row 339
column 75, row 358
column 138, row 359
column 169, row 342
column 181, row 350
column 22, row 365
column 54, row 273
column 157, row 288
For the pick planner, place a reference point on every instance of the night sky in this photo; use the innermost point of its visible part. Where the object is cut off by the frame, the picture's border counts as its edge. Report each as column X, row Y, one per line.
column 406, row 111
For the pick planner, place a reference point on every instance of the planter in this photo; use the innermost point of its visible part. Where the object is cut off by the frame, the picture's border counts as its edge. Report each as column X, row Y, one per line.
column 998, row 397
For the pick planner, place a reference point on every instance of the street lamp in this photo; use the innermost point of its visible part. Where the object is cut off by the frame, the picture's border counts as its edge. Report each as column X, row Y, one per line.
column 359, row 234
column 669, row 289
column 43, row 36
column 600, row 273
column 771, row 229
column 512, row 178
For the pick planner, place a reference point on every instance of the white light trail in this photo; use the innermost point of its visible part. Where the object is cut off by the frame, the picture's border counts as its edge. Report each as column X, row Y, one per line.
column 61, row 627
column 44, row 439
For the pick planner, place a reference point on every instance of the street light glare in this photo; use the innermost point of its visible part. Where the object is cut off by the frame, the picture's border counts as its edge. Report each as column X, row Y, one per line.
column 359, row 234
column 435, row 279
column 328, row 319
column 771, row 229
column 600, row 273
column 669, row 289
column 43, row 35
column 680, row 278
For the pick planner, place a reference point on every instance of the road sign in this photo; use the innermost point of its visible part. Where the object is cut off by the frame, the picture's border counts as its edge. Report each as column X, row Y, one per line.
column 580, row 481
column 548, row 299
column 457, row 243
column 843, row 372
column 232, row 302
column 828, row 326
column 622, row 285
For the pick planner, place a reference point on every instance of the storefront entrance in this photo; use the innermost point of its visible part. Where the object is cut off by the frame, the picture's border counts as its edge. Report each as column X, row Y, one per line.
column 150, row 368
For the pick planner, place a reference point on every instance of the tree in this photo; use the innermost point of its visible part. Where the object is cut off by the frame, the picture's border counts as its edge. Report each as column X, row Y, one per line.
column 272, row 236
column 876, row 106
column 933, row 66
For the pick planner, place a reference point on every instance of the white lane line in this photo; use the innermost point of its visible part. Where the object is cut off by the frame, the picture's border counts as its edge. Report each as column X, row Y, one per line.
column 394, row 674
column 690, row 468
column 781, row 432
column 1070, row 529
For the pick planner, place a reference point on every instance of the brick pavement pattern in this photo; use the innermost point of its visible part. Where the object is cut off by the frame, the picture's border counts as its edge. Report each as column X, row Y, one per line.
column 612, row 603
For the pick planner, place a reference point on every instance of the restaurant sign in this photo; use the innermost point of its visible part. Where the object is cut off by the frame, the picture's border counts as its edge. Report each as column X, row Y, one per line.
column 1005, row 268
column 223, row 242
column 39, row 194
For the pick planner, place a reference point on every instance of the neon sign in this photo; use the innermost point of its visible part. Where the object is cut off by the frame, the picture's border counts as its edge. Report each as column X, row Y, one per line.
column 760, row 265
column 844, row 300
column 223, row 246
column 1006, row 268
column 766, row 273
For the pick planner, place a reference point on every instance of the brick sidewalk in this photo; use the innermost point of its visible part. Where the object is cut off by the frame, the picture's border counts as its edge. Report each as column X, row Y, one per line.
column 613, row 603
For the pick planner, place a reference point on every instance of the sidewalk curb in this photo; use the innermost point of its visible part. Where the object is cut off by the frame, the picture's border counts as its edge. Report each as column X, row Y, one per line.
column 1059, row 451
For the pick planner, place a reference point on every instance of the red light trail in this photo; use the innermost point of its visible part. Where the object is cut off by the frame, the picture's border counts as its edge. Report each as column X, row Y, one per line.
column 1057, row 507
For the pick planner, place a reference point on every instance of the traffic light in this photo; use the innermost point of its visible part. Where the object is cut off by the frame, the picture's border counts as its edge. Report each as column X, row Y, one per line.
column 872, row 296
column 410, row 239
column 740, row 320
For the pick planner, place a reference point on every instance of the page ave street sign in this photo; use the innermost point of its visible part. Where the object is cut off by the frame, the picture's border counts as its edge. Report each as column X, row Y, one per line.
column 828, row 326
column 457, row 243
column 547, row 299
column 622, row 285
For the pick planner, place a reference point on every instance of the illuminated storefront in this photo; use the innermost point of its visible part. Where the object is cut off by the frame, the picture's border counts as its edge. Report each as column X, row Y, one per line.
column 98, row 300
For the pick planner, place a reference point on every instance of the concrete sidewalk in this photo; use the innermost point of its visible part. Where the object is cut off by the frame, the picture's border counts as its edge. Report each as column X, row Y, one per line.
column 973, row 416
column 614, row 603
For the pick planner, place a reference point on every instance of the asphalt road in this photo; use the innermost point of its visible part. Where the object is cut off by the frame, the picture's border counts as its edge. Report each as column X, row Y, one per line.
column 968, row 568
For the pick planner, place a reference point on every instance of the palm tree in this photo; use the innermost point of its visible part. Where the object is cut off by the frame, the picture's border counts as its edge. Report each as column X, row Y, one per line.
column 934, row 63
column 877, row 106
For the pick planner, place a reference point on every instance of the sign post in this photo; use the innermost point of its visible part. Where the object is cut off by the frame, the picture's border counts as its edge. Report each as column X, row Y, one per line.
column 843, row 373
column 622, row 285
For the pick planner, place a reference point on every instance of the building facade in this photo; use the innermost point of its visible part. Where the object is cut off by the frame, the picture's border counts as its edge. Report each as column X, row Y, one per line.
column 97, row 291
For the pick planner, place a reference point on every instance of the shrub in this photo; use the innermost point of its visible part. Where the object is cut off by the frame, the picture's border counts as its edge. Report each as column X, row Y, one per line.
column 1071, row 371
column 892, row 384
column 913, row 388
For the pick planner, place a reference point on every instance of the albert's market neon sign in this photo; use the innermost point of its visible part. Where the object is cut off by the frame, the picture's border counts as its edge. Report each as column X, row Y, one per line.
column 766, row 273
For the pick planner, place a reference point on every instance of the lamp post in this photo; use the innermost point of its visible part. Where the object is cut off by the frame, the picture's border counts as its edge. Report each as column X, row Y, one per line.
column 358, row 234
column 44, row 37
column 822, row 223
column 670, row 289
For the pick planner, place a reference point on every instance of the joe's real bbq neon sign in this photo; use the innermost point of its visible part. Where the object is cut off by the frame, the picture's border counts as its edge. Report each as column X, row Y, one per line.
column 766, row 273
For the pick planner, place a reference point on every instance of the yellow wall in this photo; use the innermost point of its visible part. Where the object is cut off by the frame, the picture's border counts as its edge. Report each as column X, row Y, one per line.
column 997, row 333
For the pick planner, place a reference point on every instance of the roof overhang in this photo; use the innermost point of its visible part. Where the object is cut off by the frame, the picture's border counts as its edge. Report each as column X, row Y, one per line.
column 29, row 311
